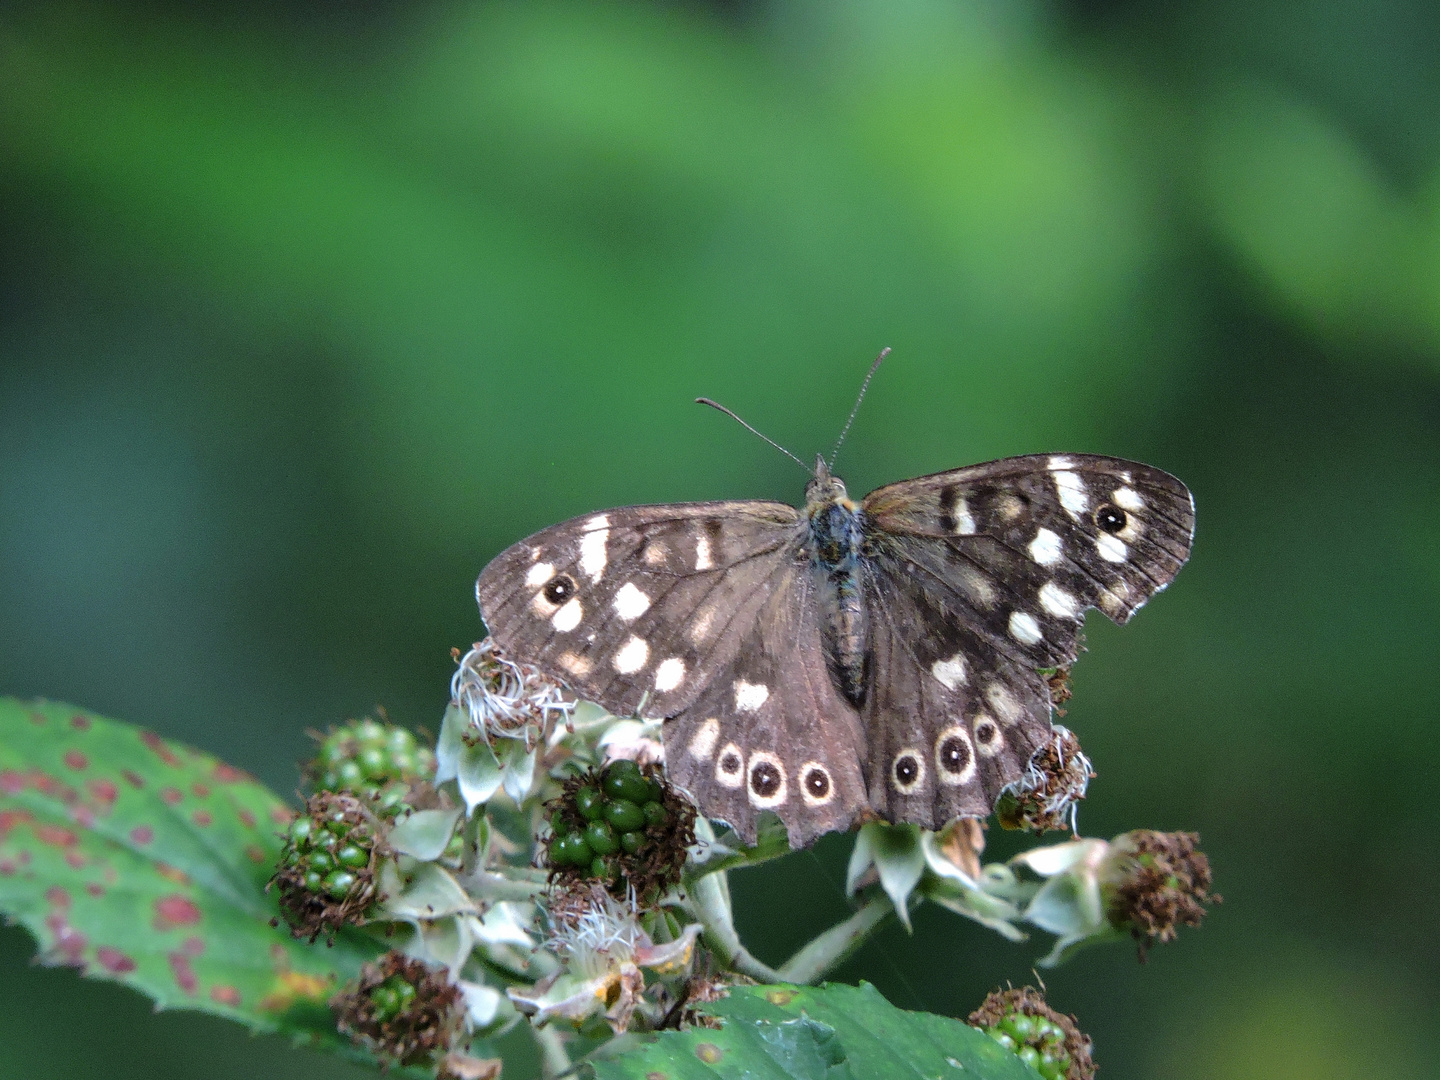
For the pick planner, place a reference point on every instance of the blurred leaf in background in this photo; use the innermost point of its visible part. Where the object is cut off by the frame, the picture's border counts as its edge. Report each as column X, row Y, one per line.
column 307, row 310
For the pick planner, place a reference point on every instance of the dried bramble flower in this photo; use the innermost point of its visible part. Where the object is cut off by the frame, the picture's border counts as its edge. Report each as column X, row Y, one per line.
column 1048, row 1041
column 327, row 871
column 1047, row 796
column 403, row 1011
column 1159, row 881
column 506, row 699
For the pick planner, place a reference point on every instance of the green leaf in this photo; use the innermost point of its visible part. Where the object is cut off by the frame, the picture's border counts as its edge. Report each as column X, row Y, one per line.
column 829, row 1032
column 145, row 862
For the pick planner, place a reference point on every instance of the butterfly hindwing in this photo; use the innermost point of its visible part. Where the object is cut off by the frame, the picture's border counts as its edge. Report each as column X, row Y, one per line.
column 639, row 604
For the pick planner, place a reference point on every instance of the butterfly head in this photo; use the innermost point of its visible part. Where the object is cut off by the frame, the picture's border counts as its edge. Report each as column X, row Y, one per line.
column 825, row 489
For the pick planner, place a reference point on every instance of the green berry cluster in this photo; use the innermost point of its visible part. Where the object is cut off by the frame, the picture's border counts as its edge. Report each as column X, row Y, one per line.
column 391, row 998
column 403, row 1011
column 1036, row 1040
column 378, row 761
column 610, row 816
column 325, row 876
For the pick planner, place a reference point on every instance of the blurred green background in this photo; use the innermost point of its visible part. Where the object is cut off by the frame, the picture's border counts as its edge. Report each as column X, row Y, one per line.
column 308, row 308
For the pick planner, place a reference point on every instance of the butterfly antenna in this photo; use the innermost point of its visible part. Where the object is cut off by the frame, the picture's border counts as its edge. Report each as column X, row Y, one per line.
column 863, row 387
column 747, row 427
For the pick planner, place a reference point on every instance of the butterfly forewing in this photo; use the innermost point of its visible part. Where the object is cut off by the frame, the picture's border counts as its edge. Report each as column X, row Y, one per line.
column 639, row 604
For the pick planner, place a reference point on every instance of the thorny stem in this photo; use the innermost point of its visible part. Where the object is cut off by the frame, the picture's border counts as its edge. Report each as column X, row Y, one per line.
column 829, row 949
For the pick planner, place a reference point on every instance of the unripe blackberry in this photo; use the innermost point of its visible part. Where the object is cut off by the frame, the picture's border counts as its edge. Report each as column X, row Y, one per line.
column 376, row 761
column 326, row 874
column 1048, row 1041
column 402, row 1011
column 622, row 825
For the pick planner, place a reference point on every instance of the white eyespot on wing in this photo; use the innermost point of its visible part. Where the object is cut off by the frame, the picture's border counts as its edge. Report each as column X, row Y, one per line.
column 1024, row 628
column 702, row 743
column 1111, row 548
column 569, row 616
column 632, row 656
column 964, row 520
column 670, row 674
column 907, row 771
column 730, row 766
column 767, row 787
column 575, row 664
column 702, row 553
column 1046, row 549
column 1058, row 602
column 538, row 574
column 1003, row 702
column 750, row 696
column 954, row 756
column 817, row 787
column 1127, row 499
column 950, row 672
column 592, row 552
column 1071, row 490
column 1060, row 463
column 599, row 521
column 989, row 740
column 630, row 602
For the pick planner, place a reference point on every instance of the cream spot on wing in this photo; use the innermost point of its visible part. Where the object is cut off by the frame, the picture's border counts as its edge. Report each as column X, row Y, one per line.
column 542, row 606
column 1112, row 600
column 1111, row 548
column 768, row 786
column 592, row 553
column 1058, row 602
column 1008, row 507
column 950, row 672
column 702, row 553
column 817, row 786
column 730, row 767
column 534, row 554
column 702, row 743
column 1071, row 490
column 670, row 674
column 1003, row 702
column 1127, row 499
column 630, row 602
column 1059, row 462
column 538, row 574
column 599, row 521
column 750, row 696
column 655, row 554
column 569, row 616
column 964, row 520
column 700, row 626
column 975, row 584
column 1024, row 628
column 1046, row 548
column 632, row 656
column 954, row 756
column 575, row 664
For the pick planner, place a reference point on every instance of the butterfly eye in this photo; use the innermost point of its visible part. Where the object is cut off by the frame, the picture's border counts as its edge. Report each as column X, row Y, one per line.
column 1111, row 518
column 559, row 589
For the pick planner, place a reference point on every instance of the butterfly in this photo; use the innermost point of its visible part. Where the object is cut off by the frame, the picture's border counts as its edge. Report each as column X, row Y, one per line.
column 844, row 659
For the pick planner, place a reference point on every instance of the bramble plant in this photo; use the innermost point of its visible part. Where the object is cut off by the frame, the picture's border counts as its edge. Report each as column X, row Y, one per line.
column 536, row 870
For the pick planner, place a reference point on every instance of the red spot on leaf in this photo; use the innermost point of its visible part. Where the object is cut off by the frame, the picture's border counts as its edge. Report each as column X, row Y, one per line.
column 74, row 860
column 192, row 947
column 7, row 867
column 69, row 942
column 83, row 815
column 228, row 774
column 39, row 719
column 134, row 779
column 255, row 853
column 200, row 790
column 171, row 873
column 201, row 818
column 183, row 972
column 114, row 961
column 157, row 745
column 24, row 858
column 282, row 816
column 57, row 897
column 55, row 836
column 80, row 723
column 74, row 759
column 246, row 818
column 103, row 791
column 12, row 782
column 142, row 834
column 225, row 995
column 95, row 889
column 175, row 910
column 49, row 785
column 171, row 795
column 9, row 819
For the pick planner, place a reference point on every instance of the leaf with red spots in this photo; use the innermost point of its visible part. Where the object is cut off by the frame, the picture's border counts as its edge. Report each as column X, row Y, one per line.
column 144, row 861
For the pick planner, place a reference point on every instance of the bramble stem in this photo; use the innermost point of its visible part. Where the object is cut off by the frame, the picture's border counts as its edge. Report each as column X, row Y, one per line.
column 554, row 1061
column 708, row 899
column 831, row 948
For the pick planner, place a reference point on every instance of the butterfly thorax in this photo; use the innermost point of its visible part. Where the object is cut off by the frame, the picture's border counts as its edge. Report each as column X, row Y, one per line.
column 836, row 533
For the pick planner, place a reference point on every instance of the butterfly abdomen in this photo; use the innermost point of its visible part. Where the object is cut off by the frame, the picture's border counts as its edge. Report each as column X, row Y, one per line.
column 836, row 533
